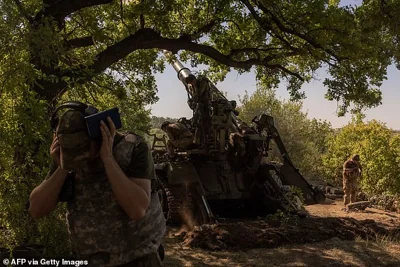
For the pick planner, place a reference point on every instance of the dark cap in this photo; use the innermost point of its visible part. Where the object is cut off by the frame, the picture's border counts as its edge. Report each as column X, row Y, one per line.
column 74, row 140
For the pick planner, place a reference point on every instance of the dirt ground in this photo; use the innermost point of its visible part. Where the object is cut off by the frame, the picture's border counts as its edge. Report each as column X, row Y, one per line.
column 329, row 236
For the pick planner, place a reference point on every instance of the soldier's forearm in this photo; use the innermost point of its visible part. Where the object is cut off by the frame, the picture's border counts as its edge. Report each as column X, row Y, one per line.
column 44, row 198
column 133, row 199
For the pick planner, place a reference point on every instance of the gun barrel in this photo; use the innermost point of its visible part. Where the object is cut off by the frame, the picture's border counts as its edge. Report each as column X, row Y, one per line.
column 184, row 74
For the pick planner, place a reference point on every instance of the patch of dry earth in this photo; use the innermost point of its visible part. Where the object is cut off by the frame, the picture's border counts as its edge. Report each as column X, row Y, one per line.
column 329, row 237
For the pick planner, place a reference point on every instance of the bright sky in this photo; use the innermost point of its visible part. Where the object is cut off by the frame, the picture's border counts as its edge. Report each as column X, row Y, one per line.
column 173, row 96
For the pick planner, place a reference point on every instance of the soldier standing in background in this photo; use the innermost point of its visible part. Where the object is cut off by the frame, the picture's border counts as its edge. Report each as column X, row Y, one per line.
column 351, row 173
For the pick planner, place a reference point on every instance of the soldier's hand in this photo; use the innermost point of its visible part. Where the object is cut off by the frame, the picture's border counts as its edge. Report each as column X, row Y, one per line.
column 55, row 150
column 108, row 134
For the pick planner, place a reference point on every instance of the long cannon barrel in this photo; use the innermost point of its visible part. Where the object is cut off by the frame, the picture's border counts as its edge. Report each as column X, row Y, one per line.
column 186, row 77
column 184, row 74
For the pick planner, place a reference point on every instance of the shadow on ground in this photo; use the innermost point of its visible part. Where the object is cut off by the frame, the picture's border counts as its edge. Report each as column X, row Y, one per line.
column 328, row 237
column 334, row 252
column 266, row 234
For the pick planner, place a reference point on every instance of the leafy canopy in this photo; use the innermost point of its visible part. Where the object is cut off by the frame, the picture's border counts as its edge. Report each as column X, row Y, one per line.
column 51, row 45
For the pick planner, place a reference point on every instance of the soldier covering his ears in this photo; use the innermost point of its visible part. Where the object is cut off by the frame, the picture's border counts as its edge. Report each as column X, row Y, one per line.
column 114, row 216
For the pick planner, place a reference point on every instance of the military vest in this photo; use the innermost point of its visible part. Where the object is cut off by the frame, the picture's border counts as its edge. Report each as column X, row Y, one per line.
column 100, row 230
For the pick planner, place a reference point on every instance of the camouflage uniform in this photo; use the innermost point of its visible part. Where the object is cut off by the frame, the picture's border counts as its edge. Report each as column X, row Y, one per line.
column 100, row 230
column 179, row 136
column 351, row 174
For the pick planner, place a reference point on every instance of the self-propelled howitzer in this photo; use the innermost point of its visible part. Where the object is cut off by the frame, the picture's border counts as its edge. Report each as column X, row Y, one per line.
column 226, row 170
column 214, row 117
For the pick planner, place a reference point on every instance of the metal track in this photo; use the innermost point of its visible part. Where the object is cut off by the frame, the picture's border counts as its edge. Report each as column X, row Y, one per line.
column 179, row 202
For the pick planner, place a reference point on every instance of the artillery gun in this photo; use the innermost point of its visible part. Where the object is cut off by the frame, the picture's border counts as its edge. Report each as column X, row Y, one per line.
column 225, row 171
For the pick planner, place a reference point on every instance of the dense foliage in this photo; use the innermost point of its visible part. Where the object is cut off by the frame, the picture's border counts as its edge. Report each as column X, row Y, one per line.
column 378, row 147
column 304, row 138
column 52, row 46
column 320, row 151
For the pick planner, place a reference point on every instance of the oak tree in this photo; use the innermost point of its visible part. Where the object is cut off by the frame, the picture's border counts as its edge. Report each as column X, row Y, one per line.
column 55, row 45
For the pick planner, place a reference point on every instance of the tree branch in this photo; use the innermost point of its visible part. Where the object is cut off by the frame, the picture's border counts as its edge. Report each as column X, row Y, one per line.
column 237, row 26
column 142, row 21
column 79, row 42
column 283, row 28
column 257, row 51
column 204, row 29
column 265, row 25
column 62, row 8
column 122, row 16
column 148, row 39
